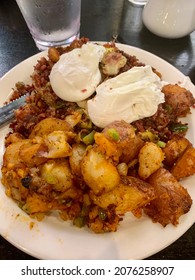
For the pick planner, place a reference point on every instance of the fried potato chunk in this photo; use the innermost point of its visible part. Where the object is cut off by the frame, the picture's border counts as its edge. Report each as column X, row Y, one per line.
column 31, row 154
column 78, row 151
column 12, row 181
column 132, row 193
column 185, row 165
column 57, row 145
column 150, row 159
column 112, row 62
column 174, row 149
column 172, row 199
column 179, row 99
column 107, row 147
column 49, row 125
column 123, row 135
column 13, row 138
column 100, row 174
column 36, row 203
column 11, row 155
column 25, row 152
column 58, row 174
column 53, row 54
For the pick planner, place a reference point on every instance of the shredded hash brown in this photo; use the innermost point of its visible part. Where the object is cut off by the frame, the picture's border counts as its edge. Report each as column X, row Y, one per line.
column 56, row 159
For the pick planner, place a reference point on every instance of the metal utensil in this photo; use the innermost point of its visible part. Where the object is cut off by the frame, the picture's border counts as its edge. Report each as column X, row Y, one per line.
column 7, row 111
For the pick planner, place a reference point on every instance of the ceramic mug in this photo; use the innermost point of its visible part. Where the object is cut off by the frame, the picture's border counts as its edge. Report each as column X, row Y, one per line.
column 169, row 18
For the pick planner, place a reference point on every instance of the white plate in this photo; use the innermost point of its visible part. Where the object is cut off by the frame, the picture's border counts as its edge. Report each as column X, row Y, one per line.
column 55, row 239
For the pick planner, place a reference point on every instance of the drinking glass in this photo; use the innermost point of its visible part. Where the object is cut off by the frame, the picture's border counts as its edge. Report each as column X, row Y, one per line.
column 51, row 22
column 138, row 2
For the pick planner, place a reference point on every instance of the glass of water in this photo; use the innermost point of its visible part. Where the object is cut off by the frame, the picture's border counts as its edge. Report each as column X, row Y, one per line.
column 52, row 22
column 138, row 2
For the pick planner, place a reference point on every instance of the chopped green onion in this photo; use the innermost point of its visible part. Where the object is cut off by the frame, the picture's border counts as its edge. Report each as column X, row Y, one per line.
column 79, row 221
column 148, row 135
column 89, row 138
column 84, row 211
column 59, row 105
column 168, row 108
column 161, row 144
column 87, row 124
column 178, row 127
column 113, row 134
column 102, row 214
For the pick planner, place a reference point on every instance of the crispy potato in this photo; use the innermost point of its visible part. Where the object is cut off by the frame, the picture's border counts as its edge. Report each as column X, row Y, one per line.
column 185, row 165
column 58, row 174
column 36, row 203
column 57, row 145
column 31, row 154
column 11, row 156
column 49, row 125
column 71, row 193
column 132, row 193
column 99, row 173
column 13, row 138
column 78, row 151
column 12, row 181
column 53, row 54
column 122, row 135
column 178, row 98
column 74, row 118
column 150, row 159
column 172, row 200
column 119, row 151
column 107, row 147
column 174, row 149
column 131, row 151
column 112, row 62
column 119, row 131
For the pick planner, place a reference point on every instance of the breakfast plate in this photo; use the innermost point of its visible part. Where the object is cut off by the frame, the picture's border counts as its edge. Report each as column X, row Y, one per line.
column 53, row 238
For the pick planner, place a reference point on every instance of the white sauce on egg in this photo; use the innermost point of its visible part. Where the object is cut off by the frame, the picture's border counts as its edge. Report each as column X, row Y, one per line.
column 130, row 96
column 76, row 75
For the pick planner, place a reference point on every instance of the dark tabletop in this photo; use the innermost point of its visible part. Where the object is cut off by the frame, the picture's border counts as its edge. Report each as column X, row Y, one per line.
column 100, row 20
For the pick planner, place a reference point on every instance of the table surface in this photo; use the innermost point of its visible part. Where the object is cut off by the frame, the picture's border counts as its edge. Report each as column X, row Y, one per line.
column 100, row 21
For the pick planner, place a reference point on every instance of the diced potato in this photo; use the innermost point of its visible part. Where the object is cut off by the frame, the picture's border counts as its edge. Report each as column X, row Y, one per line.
column 57, row 145
column 185, row 165
column 53, row 54
column 78, row 151
column 14, row 188
column 119, row 131
column 178, row 98
column 32, row 154
column 123, row 137
column 112, row 62
column 107, row 147
column 150, row 159
column 132, row 193
column 69, row 194
column 11, row 156
column 174, row 149
column 131, row 151
column 172, row 199
column 36, row 203
column 99, row 173
column 74, row 118
column 49, row 125
column 58, row 174
column 14, row 137
column 122, row 168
